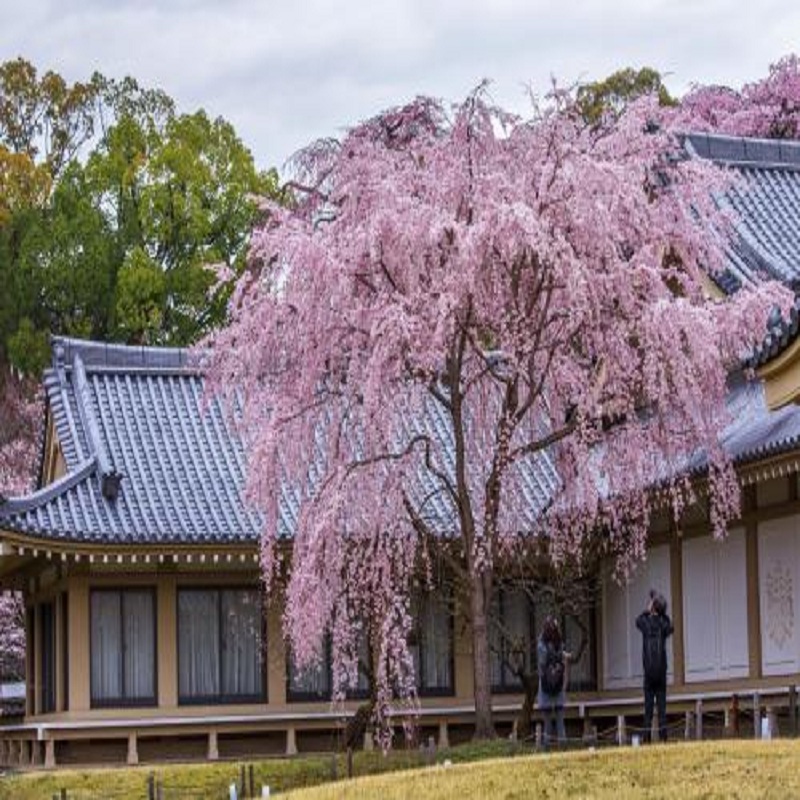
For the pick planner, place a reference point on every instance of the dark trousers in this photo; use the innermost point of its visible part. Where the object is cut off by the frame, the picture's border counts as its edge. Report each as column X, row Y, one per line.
column 655, row 692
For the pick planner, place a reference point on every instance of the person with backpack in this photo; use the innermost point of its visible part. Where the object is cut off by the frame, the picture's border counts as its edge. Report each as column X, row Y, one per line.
column 655, row 627
column 552, row 662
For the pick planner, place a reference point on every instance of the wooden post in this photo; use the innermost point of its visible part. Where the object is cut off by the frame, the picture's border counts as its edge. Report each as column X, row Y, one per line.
column 793, row 710
column 291, row 742
column 151, row 786
column 735, row 715
column 698, row 713
column 538, row 735
column 772, row 722
column 133, row 750
column 349, row 762
column 756, row 715
column 587, row 728
column 444, row 738
column 369, row 742
column 50, row 754
column 213, row 745
column 252, row 782
column 242, row 782
column 622, row 736
column 687, row 728
column 654, row 722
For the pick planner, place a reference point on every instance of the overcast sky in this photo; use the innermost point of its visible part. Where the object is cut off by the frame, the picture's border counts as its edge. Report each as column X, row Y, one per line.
column 286, row 72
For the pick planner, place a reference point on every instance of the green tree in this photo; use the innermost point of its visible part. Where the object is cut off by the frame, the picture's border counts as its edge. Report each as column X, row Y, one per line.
column 111, row 205
column 612, row 94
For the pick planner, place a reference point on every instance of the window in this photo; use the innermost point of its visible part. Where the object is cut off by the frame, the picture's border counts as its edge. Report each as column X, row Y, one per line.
column 123, row 647
column 316, row 681
column 432, row 644
column 220, row 646
column 511, row 638
column 312, row 683
column 47, row 677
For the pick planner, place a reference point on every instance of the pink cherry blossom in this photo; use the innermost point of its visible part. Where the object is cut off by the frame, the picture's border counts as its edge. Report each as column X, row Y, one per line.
column 537, row 285
column 20, row 420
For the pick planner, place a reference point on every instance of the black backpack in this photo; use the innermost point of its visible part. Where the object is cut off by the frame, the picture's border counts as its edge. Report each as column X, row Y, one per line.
column 653, row 654
column 553, row 672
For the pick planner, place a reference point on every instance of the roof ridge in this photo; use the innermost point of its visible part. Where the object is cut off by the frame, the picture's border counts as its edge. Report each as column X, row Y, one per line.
column 744, row 150
column 122, row 356
column 21, row 505
column 110, row 478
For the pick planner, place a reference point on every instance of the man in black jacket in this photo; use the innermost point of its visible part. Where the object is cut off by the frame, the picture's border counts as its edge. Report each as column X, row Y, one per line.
column 655, row 627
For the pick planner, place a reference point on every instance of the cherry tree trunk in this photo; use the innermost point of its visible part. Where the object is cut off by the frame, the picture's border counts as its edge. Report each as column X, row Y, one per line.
column 484, row 725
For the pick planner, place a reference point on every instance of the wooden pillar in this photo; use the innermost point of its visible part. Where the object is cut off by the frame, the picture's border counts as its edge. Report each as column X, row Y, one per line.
column 213, row 746
column 369, row 742
column 79, row 645
column 772, row 723
column 599, row 634
column 58, row 622
column 753, row 600
column 756, row 715
column 37, row 659
column 50, row 754
column 291, row 742
column 133, row 750
column 622, row 736
column 676, row 587
column 167, row 666
column 444, row 739
column 698, row 715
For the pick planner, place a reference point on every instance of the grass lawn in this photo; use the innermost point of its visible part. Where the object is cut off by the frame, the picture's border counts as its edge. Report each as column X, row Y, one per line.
column 199, row 781
column 706, row 770
column 740, row 769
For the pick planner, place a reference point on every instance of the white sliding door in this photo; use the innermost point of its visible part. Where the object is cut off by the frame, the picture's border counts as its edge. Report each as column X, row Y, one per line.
column 622, row 642
column 715, row 607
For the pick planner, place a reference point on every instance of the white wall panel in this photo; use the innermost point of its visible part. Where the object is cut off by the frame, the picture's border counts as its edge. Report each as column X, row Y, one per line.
column 778, row 595
column 715, row 607
column 732, row 586
column 700, row 610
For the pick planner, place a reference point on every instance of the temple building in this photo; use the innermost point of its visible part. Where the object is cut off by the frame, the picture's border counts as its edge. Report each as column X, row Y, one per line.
column 147, row 633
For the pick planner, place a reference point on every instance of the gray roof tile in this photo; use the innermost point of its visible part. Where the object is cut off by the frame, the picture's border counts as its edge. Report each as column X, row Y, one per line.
column 137, row 411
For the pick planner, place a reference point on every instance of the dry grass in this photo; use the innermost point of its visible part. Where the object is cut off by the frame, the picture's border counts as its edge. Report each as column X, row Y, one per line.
column 739, row 769
column 762, row 770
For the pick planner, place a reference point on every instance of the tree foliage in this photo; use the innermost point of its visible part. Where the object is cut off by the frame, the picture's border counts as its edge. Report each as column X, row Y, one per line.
column 448, row 315
column 612, row 94
column 12, row 637
column 768, row 108
column 111, row 206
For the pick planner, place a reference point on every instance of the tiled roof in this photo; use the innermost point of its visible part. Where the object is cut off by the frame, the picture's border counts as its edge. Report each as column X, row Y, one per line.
column 766, row 202
column 135, row 413
column 757, row 432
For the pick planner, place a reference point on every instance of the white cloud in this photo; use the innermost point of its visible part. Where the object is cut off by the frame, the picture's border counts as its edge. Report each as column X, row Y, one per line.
column 287, row 72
